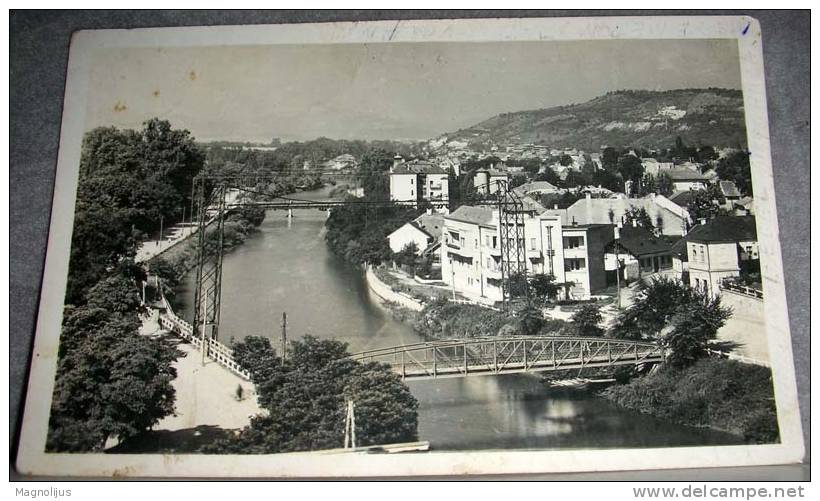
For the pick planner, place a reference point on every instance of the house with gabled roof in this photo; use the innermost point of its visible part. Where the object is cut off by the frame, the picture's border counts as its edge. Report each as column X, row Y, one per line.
column 722, row 247
column 424, row 232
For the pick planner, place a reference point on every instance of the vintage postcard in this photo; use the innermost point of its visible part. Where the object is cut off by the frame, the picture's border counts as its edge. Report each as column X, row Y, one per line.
column 413, row 248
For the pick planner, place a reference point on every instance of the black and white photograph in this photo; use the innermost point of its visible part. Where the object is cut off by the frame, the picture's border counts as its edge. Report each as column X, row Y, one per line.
column 417, row 248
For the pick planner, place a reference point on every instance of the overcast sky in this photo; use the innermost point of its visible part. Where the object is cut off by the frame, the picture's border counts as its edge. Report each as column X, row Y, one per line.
column 384, row 90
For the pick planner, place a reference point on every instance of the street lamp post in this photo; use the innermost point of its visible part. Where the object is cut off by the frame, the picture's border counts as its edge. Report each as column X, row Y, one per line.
column 617, row 267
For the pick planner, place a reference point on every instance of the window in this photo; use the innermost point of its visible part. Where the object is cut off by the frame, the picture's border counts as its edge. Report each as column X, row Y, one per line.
column 487, row 240
column 573, row 242
column 495, row 242
column 462, row 242
column 411, row 192
column 574, row 264
column 694, row 253
column 412, row 181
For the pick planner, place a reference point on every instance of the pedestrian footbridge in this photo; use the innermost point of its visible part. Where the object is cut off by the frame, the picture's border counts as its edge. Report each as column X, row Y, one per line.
column 510, row 355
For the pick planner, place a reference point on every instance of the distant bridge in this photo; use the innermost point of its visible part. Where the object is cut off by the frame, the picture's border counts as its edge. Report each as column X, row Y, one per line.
column 509, row 355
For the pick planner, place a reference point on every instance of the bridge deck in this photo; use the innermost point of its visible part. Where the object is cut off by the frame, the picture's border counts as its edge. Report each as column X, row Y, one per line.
column 510, row 355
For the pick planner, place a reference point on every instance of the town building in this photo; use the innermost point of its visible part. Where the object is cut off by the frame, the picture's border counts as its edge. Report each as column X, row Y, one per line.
column 668, row 217
column 723, row 247
column 471, row 252
column 424, row 232
column 418, row 180
column 641, row 254
column 684, row 179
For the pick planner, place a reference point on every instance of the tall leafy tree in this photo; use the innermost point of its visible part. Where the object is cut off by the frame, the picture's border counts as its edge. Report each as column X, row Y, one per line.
column 305, row 399
column 681, row 318
column 587, row 320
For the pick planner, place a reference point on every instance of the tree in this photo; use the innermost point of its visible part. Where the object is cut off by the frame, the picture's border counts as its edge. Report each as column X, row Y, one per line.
column 705, row 204
column 681, row 318
column 664, row 184
column 609, row 159
column 647, row 185
column 305, row 398
column 587, row 320
column 543, row 287
column 639, row 217
column 692, row 327
column 549, row 176
column 530, row 320
column 111, row 382
column 735, row 167
column 373, row 169
column 631, row 169
column 407, row 255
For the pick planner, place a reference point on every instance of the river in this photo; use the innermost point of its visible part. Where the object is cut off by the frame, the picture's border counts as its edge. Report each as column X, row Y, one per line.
column 287, row 267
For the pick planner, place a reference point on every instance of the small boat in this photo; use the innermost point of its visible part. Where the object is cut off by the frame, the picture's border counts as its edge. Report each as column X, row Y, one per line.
column 578, row 383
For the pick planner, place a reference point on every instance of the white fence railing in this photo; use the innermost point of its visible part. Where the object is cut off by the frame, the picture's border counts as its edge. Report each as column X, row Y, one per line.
column 741, row 289
column 218, row 352
column 737, row 357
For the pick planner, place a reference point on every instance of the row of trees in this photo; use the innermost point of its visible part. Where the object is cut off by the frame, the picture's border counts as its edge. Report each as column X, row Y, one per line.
column 305, row 396
column 112, row 382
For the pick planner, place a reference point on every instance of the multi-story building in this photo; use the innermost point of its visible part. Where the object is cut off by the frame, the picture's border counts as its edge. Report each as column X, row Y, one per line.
column 720, row 248
column 471, row 254
column 417, row 180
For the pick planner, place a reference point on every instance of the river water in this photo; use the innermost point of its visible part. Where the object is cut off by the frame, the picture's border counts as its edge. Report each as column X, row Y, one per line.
column 286, row 267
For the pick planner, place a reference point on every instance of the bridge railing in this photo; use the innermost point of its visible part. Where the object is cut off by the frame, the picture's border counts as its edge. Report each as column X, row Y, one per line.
column 218, row 352
column 500, row 355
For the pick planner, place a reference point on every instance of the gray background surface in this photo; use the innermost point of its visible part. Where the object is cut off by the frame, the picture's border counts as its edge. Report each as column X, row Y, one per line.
column 39, row 42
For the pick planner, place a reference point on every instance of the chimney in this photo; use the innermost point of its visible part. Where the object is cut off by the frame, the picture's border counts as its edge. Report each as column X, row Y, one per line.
column 634, row 223
column 397, row 160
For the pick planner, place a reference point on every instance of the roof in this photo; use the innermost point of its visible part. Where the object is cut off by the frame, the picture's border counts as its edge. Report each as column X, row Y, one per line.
column 536, row 186
column 683, row 174
column 679, row 249
column 597, row 210
column 642, row 242
column 683, row 198
column 418, row 167
column 430, row 224
column 725, row 229
column 470, row 214
column 729, row 189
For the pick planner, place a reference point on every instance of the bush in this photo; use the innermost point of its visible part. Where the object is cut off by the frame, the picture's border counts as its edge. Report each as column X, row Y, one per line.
column 721, row 394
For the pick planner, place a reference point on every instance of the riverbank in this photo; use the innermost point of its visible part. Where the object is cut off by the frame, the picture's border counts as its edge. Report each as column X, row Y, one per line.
column 720, row 394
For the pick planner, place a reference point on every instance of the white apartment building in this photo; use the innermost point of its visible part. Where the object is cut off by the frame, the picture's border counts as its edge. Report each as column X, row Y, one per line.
column 418, row 180
column 471, row 253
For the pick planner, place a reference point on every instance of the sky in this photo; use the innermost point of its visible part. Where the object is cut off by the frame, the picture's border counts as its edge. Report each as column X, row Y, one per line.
column 404, row 91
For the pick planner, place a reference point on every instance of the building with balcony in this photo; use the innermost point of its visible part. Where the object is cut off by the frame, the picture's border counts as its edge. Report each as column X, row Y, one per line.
column 417, row 180
column 471, row 254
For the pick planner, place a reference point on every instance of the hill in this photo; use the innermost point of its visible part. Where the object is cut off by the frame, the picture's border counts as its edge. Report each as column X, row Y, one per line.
column 646, row 119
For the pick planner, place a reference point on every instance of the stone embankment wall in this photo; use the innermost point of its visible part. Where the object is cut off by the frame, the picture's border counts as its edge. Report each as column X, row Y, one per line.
column 384, row 292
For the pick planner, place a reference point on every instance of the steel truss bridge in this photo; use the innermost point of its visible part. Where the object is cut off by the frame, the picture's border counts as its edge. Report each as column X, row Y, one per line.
column 509, row 355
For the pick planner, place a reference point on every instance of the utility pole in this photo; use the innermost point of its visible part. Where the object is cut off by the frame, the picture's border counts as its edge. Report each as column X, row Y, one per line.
column 161, row 221
column 350, row 426
column 284, row 337
column 203, row 348
column 453, row 278
column 617, row 269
